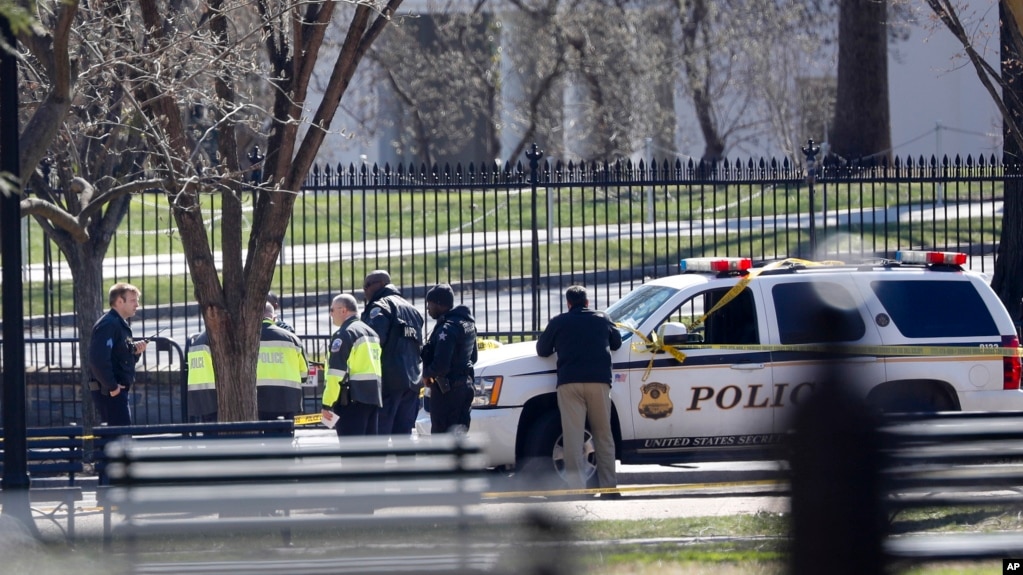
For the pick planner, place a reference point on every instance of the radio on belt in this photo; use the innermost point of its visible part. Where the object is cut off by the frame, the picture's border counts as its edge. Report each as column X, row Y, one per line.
column 922, row 257
column 715, row 265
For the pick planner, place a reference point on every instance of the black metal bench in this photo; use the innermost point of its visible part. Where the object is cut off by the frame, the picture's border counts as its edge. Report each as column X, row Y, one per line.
column 269, row 484
column 953, row 460
column 853, row 472
column 173, row 433
column 54, row 459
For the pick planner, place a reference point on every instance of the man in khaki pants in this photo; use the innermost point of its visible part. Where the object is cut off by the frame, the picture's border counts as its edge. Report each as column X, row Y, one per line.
column 583, row 340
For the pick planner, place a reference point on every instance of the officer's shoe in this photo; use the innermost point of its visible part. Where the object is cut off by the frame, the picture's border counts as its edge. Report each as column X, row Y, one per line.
column 609, row 495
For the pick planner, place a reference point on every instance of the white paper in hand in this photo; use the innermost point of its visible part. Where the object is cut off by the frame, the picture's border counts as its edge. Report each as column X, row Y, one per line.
column 329, row 423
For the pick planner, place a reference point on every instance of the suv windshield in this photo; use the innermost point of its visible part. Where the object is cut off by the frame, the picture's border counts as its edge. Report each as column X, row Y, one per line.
column 634, row 309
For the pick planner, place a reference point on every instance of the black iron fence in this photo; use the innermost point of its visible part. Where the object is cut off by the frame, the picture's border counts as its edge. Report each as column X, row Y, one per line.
column 158, row 396
column 511, row 238
column 54, row 388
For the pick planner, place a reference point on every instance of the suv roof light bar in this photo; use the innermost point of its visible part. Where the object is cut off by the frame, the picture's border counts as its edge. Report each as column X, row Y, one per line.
column 925, row 257
column 715, row 265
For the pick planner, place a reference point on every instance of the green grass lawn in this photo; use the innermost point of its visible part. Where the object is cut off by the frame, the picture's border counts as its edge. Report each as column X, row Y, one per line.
column 758, row 544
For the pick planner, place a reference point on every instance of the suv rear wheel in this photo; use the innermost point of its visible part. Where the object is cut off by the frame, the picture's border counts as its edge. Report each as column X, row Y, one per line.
column 912, row 396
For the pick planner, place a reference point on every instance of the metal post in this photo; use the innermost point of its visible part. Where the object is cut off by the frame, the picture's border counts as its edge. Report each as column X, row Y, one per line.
column 811, row 150
column 49, row 312
column 15, row 476
column 651, row 170
column 534, row 154
column 940, row 199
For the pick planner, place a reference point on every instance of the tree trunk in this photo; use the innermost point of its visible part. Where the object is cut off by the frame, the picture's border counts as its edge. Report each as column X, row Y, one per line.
column 1007, row 280
column 862, row 124
column 90, row 302
column 698, row 71
column 234, row 347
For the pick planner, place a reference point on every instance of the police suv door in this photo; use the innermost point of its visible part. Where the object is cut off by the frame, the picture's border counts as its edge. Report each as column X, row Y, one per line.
column 714, row 403
column 830, row 330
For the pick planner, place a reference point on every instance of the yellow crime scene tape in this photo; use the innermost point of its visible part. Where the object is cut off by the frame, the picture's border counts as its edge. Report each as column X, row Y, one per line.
column 653, row 346
column 882, row 350
column 485, row 344
column 307, row 418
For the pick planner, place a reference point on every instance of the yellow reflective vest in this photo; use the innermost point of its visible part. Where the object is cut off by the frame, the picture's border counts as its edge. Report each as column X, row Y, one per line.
column 202, row 386
column 280, row 370
column 353, row 368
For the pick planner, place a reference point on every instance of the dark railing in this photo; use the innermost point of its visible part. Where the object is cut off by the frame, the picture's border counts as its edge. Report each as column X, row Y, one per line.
column 54, row 390
column 159, row 395
column 502, row 234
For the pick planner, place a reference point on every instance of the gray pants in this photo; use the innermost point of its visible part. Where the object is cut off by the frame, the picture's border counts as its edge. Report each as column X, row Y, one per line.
column 579, row 402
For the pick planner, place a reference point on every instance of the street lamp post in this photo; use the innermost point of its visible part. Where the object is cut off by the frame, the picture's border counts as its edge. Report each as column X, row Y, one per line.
column 810, row 150
column 15, row 479
column 534, row 154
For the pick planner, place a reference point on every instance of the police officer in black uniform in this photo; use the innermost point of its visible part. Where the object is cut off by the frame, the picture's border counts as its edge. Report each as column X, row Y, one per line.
column 400, row 327
column 275, row 301
column 448, row 359
column 113, row 354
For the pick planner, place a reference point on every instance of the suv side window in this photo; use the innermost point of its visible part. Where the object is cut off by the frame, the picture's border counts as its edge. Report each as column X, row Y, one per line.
column 816, row 312
column 734, row 323
column 935, row 308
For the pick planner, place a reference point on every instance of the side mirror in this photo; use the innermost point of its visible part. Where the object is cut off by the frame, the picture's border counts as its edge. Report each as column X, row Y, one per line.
column 673, row 333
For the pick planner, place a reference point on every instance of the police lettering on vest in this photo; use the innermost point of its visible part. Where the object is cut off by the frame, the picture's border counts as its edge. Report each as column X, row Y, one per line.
column 271, row 357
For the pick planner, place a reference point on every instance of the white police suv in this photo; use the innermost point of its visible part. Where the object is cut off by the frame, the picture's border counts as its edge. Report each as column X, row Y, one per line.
column 716, row 359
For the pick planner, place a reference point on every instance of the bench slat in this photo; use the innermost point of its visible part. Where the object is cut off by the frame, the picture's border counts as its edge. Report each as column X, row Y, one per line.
column 446, row 563
column 955, row 547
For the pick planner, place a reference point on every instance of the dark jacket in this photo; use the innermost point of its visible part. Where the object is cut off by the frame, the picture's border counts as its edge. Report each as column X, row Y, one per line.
column 451, row 351
column 583, row 340
column 112, row 353
column 400, row 328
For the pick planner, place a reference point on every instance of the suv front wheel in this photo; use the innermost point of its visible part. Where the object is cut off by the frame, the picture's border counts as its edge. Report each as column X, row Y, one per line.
column 544, row 453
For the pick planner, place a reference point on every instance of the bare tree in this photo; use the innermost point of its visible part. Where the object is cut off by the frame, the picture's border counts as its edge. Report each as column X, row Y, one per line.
column 1005, row 86
column 492, row 77
column 426, row 62
column 78, row 202
column 604, row 78
column 150, row 65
